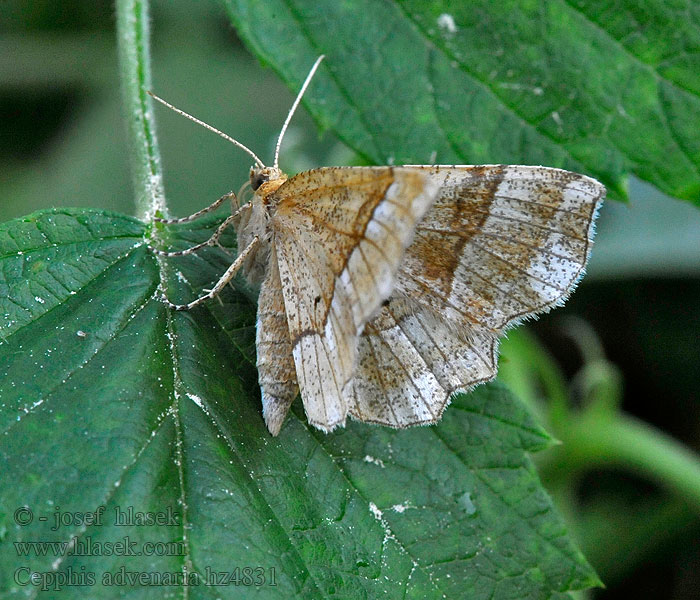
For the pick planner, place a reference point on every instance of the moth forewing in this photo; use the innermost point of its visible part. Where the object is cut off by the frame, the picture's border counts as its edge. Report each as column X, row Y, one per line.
column 339, row 235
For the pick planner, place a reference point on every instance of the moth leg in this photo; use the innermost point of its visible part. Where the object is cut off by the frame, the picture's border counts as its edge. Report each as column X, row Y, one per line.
column 236, row 200
column 213, row 206
column 213, row 240
column 221, row 284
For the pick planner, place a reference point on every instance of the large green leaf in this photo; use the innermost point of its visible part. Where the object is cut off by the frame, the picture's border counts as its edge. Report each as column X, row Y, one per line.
column 601, row 87
column 109, row 399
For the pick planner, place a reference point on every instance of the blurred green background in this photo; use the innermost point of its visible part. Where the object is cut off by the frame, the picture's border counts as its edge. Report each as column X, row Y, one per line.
column 63, row 143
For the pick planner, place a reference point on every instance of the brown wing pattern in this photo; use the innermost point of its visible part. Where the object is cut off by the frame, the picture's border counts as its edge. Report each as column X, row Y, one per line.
column 411, row 360
column 500, row 243
column 515, row 241
column 276, row 372
column 339, row 235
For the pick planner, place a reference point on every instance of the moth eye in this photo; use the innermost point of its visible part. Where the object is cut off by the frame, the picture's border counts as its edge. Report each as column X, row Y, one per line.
column 256, row 180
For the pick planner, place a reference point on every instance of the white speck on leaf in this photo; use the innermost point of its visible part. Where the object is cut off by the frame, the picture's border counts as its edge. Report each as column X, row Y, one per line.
column 197, row 400
column 557, row 119
column 465, row 501
column 375, row 461
column 446, row 22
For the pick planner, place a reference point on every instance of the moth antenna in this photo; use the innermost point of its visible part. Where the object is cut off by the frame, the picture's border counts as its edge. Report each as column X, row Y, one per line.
column 306, row 83
column 209, row 127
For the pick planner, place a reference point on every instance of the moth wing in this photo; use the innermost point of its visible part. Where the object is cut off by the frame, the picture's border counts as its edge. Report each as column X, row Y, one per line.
column 339, row 235
column 276, row 371
column 499, row 244
column 410, row 362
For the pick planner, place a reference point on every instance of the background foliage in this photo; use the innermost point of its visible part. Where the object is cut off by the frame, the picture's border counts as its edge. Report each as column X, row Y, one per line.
column 64, row 145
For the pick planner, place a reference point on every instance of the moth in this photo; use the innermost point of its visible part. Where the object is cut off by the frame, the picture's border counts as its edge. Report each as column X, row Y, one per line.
column 383, row 290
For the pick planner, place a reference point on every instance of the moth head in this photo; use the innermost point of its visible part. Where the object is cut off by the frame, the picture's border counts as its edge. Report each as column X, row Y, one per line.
column 269, row 178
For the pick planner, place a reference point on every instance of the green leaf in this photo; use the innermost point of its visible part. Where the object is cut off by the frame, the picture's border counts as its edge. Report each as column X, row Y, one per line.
column 108, row 399
column 597, row 87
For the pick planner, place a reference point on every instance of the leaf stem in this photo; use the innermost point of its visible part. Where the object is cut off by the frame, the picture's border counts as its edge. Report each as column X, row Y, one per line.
column 595, row 438
column 599, row 434
column 134, row 65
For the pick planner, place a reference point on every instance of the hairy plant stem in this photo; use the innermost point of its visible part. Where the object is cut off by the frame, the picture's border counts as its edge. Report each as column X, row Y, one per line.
column 135, row 74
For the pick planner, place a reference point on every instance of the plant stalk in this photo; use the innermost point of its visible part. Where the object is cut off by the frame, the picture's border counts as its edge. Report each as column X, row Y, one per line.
column 133, row 43
column 620, row 439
